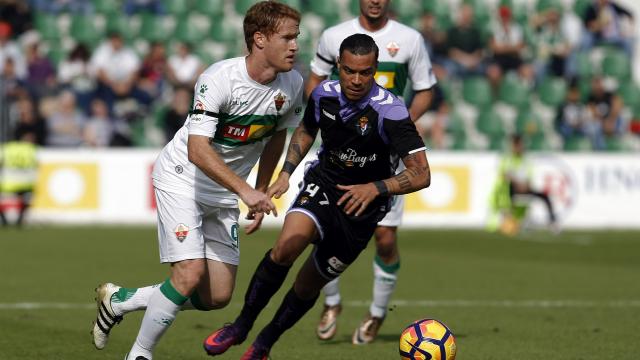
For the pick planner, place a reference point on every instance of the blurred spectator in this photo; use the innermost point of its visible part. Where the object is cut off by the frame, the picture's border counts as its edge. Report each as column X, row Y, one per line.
column 29, row 122
column 604, row 110
column 74, row 73
column 507, row 46
column 9, row 49
column 18, row 172
column 59, row 6
column 184, row 67
column 153, row 69
column 466, row 46
column 150, row 6
column 553, row 44
column 12, row 86
column 41, row 75
column 571, row 115
column 608, row 23
column 18, row 14
column 436, row 42
column 174, row 118
column 116, row 68
column 98, row 130
column 65, row 125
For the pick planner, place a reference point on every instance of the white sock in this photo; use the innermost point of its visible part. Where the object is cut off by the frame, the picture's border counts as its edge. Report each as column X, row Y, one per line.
column 384, row 282
column 332, row 293
column 128, row 300
column 164, row 304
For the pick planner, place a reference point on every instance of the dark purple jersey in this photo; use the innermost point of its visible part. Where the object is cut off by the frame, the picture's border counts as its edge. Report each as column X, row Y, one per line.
column 361, row 141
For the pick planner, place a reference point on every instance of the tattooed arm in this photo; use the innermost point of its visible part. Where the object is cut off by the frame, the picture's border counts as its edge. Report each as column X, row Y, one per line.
column 416, row 176
column 299, row 146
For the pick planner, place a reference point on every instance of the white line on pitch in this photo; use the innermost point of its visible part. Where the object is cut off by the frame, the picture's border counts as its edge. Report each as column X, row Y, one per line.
column 408, row 303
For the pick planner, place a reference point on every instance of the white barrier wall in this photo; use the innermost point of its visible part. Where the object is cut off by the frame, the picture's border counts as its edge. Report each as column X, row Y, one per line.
column 589, row 190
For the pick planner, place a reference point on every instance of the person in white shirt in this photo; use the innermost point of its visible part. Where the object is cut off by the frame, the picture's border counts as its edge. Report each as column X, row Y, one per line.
column 184, row 66
column 403, row 57
column 241, row 111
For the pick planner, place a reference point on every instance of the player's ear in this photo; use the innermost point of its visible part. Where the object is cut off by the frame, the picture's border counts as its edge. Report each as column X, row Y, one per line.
column 338, row 62
column 259, row 39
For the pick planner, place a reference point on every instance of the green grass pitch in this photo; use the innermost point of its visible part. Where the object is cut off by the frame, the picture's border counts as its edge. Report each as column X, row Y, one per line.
column 575, row 296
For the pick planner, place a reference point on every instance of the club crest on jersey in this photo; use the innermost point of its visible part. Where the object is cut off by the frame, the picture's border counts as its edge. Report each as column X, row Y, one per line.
column 279, row 101
column 303, row 200
column 363, row 123
column 393, row 48
column 181, row 232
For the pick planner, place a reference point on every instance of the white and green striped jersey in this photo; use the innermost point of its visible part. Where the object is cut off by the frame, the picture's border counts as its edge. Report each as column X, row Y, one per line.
column 403, row 55
column 239, row 115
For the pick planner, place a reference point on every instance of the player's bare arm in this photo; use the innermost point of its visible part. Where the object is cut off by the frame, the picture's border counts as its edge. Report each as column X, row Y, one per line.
column 420, row 103
column 202, row 155
column 416, row 176
column 267, row 164
column 301, row 141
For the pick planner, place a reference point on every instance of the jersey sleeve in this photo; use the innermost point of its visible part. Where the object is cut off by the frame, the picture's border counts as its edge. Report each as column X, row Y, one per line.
column 401, row 132
column 294, row 114
column 207, row 102
column 324, row 61
column 420, row 69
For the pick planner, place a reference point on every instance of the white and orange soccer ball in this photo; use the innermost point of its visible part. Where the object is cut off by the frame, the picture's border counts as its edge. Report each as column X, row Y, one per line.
column 427, row 339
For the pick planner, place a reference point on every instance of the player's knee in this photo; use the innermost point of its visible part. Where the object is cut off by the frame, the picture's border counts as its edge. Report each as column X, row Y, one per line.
column 386, row 243
column 220, row 301
column 187, row 275
column 281, row 256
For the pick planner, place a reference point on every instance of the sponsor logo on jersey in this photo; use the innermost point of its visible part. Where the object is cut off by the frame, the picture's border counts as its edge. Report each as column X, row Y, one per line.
column 279, row 101
column 392, row 48
column 239, row 102
column 245, row 132
column 351, row 158
column 234, row 236
column 181, row 232
column 363, row 123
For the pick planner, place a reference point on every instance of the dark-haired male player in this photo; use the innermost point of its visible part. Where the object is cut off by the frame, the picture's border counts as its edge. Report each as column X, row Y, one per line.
column 365, row 130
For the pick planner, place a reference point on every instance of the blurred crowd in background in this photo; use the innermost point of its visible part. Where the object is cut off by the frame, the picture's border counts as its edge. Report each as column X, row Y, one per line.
column 100, row 73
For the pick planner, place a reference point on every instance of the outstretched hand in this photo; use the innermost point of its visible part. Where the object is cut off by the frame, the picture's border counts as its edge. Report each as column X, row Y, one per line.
column 357, row 197
column 255, row 224
column 279, row 187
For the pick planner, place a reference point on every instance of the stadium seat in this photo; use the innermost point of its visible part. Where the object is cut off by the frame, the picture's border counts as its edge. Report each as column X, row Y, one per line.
column 47, row 26
column 528, row 123
column 152, row 27
column 176, row 7
column 543, row 5
column 120, row 24
column 406, row 10
column 242, row 6
column 584, row 67
column 328, row 10
column 513, row 92
column 577, row 143
column 552, row 91
column 630, row 93
column 224, row 32
column 616, row 64
column 458, row 132
column 83, row 29
column 580, row 7
column 614, row 143
column 477, row 92
column 492, row 125
column 187, row 31
column 296, row 4
column 106, row 7
column 211, row 8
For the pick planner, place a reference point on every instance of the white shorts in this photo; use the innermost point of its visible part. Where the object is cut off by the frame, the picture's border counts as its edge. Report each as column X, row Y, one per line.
column 394, row 216
column 188, row 229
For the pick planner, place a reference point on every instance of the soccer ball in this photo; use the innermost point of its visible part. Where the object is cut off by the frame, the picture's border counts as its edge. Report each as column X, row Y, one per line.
column 427, row 339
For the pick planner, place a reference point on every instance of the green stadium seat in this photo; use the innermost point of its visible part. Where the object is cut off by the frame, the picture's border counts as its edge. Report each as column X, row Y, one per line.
column 176, row 7
column 458, row 132
column 528, row 123
column 187, row 31
column 616, row 64
column 224, row 32
column 538, row 142
column 354, row 7
column 513, row 92
column 211, row 8
column 152, row 27
column 580, row 7
column 242, row 6
column 584, row 66
column 83, row 29
column 630, row 93
column 47, row 26
column 577, row 143
column 296, row 4
column 543, row 5
column 477, row 92
column 328, row 10
column 490, row 123
column 552, row 91
column 106, row 7
column 406, row 10
column 120, row 24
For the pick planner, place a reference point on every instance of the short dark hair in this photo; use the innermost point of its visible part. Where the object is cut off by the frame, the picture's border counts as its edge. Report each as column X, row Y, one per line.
column 266, row 17
column 359, row 44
